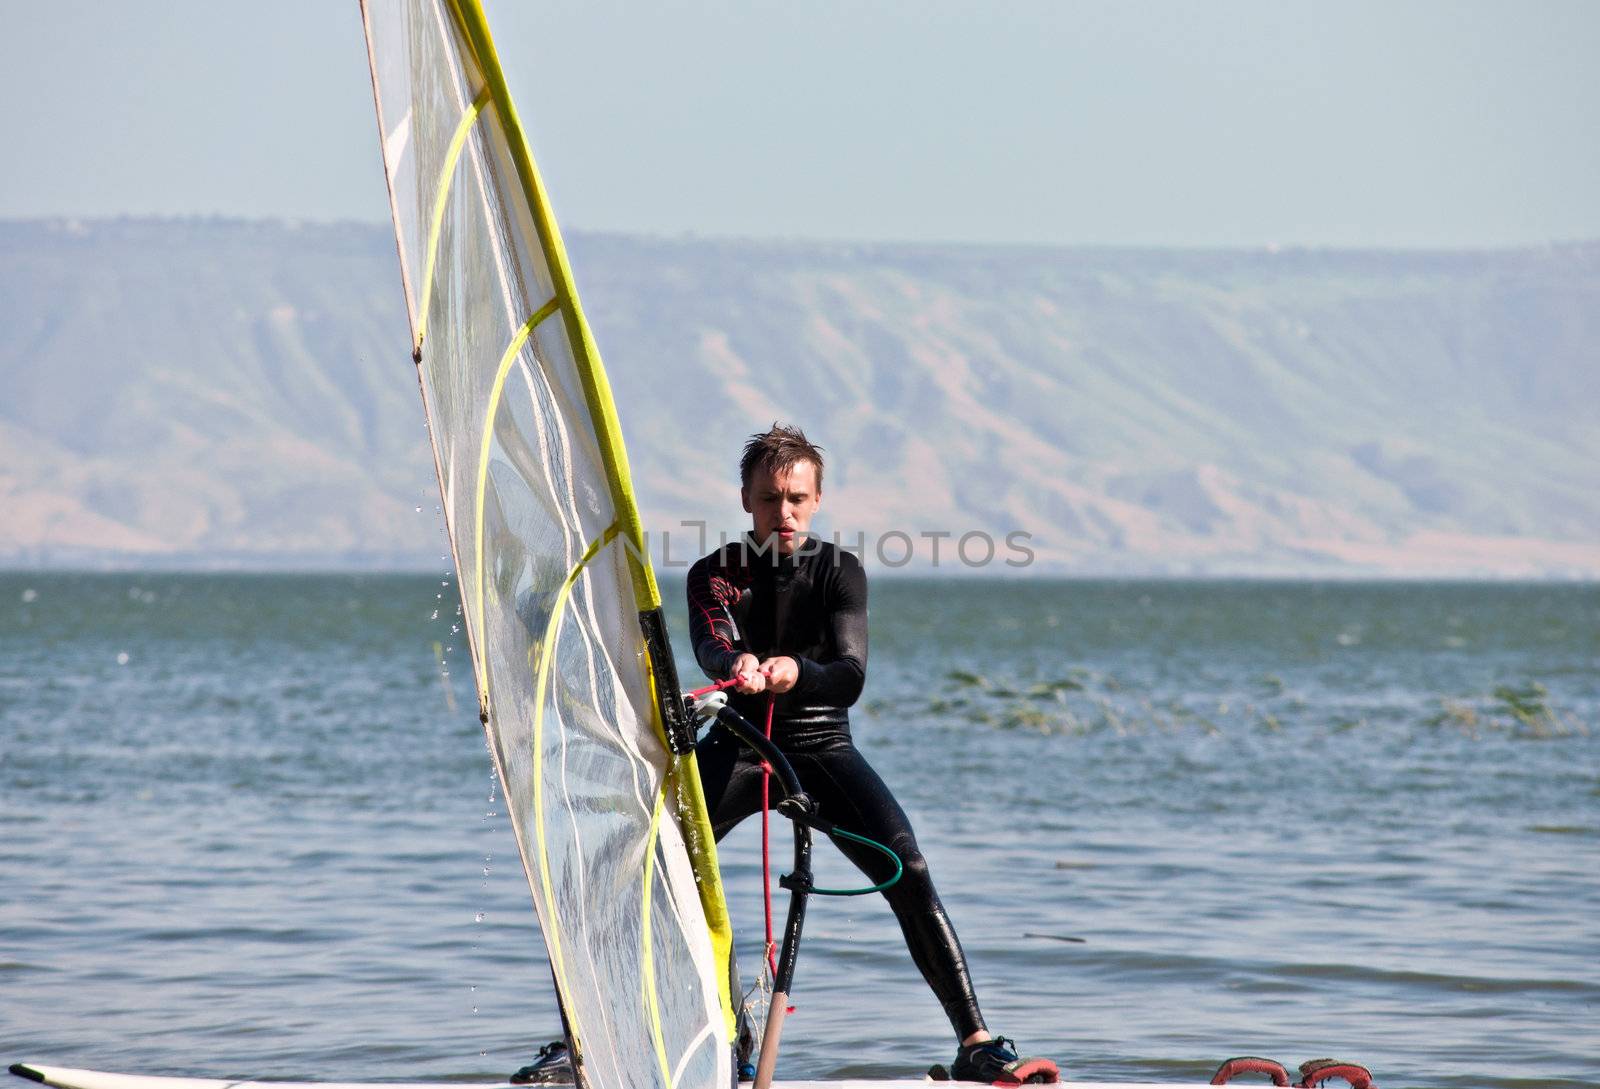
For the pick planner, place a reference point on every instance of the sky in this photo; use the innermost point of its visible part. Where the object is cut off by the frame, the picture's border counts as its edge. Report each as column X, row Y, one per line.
column 1226, row 123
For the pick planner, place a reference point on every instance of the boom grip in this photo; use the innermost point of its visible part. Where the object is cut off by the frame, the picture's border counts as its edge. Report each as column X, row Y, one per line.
column 745, row 731
column 674, row 717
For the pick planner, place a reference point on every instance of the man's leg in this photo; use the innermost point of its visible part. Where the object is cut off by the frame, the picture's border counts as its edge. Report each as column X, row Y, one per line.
column 730, row 778
column 852, row 795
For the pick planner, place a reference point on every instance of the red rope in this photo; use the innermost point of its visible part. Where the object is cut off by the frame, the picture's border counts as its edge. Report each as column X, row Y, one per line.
column 710, row 688
column 766, row 853
column 766, row 842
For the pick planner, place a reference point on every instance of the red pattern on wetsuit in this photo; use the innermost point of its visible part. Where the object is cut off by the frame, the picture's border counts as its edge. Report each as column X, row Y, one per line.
column 713, row 599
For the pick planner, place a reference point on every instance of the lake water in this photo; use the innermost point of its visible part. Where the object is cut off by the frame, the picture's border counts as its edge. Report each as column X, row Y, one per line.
column 247, row 828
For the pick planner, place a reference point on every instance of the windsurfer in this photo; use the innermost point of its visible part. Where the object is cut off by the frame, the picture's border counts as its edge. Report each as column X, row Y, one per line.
column 786, row 614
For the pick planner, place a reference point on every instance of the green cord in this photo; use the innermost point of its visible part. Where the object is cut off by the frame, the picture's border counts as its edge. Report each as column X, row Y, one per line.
column 899, row 867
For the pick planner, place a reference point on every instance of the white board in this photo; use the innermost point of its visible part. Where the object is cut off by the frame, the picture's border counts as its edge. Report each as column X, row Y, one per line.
column 67, row 1078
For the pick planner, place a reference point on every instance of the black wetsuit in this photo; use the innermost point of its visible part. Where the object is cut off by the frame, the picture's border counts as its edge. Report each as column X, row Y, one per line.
column 812, row 607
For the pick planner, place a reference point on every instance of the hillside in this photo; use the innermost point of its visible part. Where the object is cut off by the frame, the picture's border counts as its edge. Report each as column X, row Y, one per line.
column 221, row 393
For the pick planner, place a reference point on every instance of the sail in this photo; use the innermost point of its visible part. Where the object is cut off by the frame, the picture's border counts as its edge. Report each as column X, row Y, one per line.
column 552, row 570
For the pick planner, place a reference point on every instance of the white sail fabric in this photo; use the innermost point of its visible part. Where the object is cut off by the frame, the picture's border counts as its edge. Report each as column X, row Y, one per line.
column 543, row 527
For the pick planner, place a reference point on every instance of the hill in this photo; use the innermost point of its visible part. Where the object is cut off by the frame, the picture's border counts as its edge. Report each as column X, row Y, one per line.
column 224, row 393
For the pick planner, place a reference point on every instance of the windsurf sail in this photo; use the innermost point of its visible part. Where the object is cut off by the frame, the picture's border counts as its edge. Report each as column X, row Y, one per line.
column 576, row 686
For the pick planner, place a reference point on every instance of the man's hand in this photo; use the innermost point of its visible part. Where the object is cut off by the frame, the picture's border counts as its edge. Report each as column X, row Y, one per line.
column 782, row 673
column 748, row 669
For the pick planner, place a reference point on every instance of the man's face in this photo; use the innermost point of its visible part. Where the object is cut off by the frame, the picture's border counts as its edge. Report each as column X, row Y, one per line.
column 781, row 505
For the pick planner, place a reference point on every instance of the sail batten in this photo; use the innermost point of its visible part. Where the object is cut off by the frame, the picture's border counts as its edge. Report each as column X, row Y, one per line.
column 513, row 354
column 551, row 566
column 446, row 178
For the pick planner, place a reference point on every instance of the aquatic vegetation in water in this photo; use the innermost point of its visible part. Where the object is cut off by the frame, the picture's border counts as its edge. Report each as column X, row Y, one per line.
column 1528, row 707
column 1054, row 690
column 1083, row 702
column 1462, row 716
column 1077, row 704
column 1522, row 710
column 1027, row 718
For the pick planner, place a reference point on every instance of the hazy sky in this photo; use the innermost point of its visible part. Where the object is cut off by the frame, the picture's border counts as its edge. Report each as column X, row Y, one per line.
column 1234, row 123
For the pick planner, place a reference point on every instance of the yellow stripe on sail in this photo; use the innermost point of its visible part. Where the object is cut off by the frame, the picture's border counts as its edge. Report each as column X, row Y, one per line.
column 495, row 393
column 700, row 843
column 447, row 172
column 546, row 650
column 596, row 389
column 695, row 822
column 647, row 952
column 682, row 783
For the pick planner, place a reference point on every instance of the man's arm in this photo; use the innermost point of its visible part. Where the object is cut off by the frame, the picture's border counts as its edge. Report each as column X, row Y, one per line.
column 840, row 681
column 711, row 629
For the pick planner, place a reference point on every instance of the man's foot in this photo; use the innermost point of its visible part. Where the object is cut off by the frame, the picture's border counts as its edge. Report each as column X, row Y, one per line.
column 552, row 1067
column 996, row 1063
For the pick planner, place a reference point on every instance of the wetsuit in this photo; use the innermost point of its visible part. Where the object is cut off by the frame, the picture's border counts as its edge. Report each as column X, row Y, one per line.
column 812, row 607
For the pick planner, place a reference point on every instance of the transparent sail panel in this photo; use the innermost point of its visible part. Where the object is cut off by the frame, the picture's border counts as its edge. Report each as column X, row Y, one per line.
column 546, row 581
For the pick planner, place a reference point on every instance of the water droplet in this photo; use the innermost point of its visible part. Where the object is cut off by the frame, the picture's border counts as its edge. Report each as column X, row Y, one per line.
column 435, row 615
column 122, row 658
column 29, row 595
column 419, row 510
column 478, row 918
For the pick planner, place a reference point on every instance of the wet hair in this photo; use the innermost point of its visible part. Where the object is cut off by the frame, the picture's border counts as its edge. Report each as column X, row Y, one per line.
column 777, row 451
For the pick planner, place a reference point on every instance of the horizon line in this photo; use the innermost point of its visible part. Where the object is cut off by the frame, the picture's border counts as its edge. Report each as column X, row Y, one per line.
column 1274, row 248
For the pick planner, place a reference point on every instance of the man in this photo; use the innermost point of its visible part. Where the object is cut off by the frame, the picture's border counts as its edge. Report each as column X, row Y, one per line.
column 787, row 615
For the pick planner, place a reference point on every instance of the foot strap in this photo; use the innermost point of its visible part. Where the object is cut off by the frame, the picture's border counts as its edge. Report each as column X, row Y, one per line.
column 1318, row 1071
column 1250, row 1064
column 1029, row 1072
